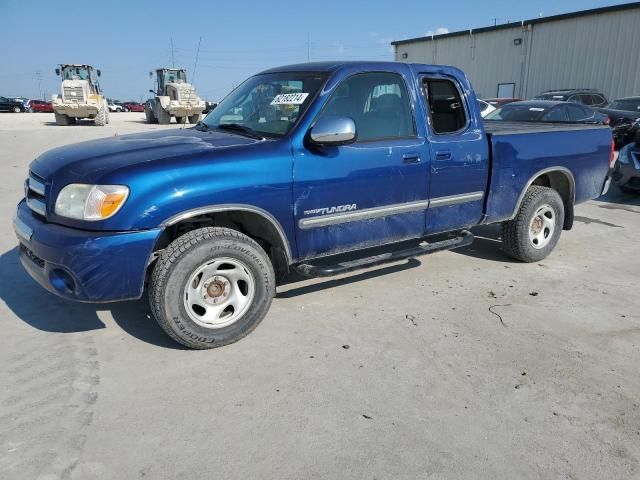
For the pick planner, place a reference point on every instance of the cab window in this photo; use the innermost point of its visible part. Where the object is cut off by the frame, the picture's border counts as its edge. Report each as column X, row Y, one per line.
column 377, row 102
column 446, row 107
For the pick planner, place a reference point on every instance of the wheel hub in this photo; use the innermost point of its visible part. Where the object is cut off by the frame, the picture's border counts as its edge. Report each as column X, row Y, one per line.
column 215, row 289
column 219, row 292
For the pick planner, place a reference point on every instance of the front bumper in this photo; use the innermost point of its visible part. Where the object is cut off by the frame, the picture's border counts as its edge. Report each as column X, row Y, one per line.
column 81, row 265
column 184, row 109
column 77, row 110
column 627, row 173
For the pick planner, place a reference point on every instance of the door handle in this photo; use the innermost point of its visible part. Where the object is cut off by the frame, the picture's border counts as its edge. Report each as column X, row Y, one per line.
column 411, row 158
column 443, row 155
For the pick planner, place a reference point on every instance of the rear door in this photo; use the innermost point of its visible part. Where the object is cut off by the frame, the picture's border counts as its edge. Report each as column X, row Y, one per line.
column 460, row 156
column 372, row 191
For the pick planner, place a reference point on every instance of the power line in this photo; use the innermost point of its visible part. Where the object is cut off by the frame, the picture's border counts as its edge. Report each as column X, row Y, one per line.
column 193, row 75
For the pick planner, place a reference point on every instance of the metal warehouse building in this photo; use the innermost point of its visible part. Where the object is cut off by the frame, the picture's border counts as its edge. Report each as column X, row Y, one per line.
column 597, row 48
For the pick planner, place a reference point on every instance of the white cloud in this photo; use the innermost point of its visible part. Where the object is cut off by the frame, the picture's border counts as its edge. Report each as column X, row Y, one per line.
column 437, row 31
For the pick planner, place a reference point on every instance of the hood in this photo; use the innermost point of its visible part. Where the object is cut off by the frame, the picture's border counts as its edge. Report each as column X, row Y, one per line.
column 87, row 162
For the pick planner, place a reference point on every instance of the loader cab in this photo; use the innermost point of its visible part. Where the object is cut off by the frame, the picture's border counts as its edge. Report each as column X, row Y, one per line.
column 74, row 72
column 165, row 76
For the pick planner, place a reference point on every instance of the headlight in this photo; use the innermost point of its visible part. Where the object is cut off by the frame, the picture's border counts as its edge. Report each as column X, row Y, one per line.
column 90, row 202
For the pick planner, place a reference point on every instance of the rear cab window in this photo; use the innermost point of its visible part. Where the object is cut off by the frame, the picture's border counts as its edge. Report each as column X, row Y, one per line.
column 447, row 111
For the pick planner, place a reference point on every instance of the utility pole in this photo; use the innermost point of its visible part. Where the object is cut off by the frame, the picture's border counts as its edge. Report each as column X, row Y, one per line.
column 173, row 63
column 193, row 75
column 39, row 78
column 308, row 47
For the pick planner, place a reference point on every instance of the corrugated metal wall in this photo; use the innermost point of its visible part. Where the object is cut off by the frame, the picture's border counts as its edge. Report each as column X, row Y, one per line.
column 593, row 51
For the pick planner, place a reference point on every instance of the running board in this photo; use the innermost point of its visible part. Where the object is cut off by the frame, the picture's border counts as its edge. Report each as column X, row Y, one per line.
column 462, row 239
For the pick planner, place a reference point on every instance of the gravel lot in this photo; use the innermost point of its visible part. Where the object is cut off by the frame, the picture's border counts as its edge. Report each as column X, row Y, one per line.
column 457, row 365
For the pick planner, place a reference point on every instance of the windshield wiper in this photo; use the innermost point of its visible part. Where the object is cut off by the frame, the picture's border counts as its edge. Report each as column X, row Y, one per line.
column 203, row 127
column 241, row 129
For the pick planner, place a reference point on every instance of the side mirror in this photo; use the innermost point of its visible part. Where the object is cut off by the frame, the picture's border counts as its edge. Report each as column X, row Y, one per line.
column 333, row 130
column 150, row 74
column 98, row 72
column 57, row 71
column 151, row 91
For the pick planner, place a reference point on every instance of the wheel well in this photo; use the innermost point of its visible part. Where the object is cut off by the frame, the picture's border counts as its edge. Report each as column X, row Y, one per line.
column 252, row 224
column 563, row 184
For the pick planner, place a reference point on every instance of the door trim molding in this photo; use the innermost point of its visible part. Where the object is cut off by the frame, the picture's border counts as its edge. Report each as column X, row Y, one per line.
column 385, row 211
column 364, row 214
column 456, row 199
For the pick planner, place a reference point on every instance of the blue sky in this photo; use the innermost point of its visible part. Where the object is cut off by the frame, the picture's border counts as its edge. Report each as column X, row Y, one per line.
column 126, row 39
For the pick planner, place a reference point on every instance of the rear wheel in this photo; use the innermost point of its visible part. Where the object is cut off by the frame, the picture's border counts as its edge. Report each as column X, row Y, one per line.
column 534, row 232
column 211, row 287
column 149, row 114
column 163, row 117
column 194, row 118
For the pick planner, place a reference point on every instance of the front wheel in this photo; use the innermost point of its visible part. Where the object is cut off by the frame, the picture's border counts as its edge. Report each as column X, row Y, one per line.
column 193, row 119
column 17, row 110
column 102, row 117
column 534, row 232
column 211, row 287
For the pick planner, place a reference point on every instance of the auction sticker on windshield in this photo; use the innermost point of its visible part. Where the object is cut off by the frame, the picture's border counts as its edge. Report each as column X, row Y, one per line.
column 289, row 99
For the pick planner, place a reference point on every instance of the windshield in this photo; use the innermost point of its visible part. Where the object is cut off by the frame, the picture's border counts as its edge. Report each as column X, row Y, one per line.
column 174, row 76
column 268, row 104
column 75, row 73
column 630, row 104
column 517, row 114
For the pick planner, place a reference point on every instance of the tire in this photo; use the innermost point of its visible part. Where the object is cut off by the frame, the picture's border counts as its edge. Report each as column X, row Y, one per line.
column 179, row 272
column 534, row 232
column 194, row 118
column 162, row 116
column 149, row 114
column 181, row 120
column 62, row 119
column 17, row 109
column 102, row 117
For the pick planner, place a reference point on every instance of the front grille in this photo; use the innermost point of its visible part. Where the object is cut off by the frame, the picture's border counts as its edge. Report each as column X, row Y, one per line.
column 187, row 95
column 36, row 191
column 32, row 256
column 73, row 94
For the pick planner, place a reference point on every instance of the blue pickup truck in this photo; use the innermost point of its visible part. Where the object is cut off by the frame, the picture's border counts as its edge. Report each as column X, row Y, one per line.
column 296, row 167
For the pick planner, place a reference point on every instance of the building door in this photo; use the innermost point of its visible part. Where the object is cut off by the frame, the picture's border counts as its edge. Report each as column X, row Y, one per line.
column 506, row 90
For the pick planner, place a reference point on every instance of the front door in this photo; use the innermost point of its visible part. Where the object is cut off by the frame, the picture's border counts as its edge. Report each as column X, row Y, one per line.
column 370, row 192
column 460, row 156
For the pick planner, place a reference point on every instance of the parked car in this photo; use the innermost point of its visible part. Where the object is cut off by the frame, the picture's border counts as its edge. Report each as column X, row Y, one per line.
column 498, row 102
column 133, row 107
column 585, row 96
column 209, row 106
column 10, row 105
column 114, row 107
column 40, row 106
column 295, row 166
column 623, row 114
column 547, row 111
column 627, row 169
column 485, row 108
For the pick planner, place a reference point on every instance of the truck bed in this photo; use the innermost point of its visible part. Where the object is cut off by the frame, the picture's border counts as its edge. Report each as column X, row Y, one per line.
column 521, row 151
